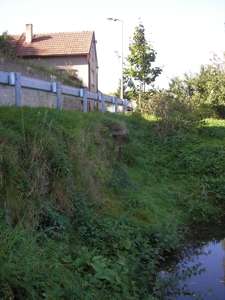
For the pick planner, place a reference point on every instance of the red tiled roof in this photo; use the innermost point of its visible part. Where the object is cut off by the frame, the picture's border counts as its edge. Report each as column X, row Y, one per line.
column 54, row 44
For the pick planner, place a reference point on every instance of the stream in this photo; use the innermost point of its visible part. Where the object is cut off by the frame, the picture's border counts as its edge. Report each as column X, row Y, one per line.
column 198, row 272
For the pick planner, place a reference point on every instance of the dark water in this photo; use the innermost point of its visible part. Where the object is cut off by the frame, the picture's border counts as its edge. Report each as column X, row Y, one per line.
column 199, row 273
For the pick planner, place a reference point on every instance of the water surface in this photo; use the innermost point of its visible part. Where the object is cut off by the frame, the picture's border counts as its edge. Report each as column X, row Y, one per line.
column 198, row 274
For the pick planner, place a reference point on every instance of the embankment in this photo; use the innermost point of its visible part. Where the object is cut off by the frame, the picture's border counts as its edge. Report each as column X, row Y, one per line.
column 92, row 203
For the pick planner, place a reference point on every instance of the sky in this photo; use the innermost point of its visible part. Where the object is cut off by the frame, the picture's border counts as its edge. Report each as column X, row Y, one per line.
column 185, row 33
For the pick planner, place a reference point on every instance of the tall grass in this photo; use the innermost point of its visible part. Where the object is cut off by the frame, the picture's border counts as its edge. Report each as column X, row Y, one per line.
column 92, row 203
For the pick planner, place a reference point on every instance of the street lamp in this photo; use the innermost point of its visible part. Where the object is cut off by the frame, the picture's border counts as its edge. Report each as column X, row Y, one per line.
column 122, row 55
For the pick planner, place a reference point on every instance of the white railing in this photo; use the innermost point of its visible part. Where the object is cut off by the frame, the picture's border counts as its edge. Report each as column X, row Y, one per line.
column 19, row 81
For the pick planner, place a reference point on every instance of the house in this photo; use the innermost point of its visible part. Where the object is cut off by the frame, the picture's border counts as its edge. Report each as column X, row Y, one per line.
column 71, row 51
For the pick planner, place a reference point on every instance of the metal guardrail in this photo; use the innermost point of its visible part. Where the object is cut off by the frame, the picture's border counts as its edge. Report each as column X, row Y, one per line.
column 19, row 81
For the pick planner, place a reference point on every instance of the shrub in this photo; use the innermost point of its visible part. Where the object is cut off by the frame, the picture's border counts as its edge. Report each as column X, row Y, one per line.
column 173, row 113
column 6, row 49
column 205, row 90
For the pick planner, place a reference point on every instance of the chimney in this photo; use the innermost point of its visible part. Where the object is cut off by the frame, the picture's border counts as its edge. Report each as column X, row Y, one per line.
column 29, row 33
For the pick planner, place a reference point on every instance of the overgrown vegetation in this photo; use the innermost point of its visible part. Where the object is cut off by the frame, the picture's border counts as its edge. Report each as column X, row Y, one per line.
column 32, row 68
column 92, row 203
column 205, row 90
column 193, row 97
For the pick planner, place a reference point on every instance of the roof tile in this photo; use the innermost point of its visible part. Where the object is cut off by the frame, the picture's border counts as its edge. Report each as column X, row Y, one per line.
column 54, row 44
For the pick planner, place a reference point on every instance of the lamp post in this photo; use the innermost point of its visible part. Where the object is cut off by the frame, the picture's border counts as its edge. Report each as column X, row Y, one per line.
column 122, row 53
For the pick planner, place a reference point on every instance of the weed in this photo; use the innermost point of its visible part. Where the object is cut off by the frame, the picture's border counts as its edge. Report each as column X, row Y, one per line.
column 71, row 205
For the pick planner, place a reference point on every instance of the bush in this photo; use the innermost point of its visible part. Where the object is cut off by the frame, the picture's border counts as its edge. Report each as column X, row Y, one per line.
column 173, row 113
column 205, row 90
column 6, row 49
column 219, row 110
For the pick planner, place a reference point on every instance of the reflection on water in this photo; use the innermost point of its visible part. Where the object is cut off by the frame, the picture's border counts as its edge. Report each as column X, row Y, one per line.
column 200, row 274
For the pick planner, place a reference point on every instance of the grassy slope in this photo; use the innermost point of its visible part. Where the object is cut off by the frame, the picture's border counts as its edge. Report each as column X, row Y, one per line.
column 99, row 209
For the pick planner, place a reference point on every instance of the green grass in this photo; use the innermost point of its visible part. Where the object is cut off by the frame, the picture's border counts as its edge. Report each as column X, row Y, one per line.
column 103, row 210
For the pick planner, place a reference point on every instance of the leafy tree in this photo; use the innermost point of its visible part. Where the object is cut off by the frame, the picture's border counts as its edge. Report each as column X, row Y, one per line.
column 127, row 93
column 210, row 85
column 182, row 88
column 205, row 90
column 139, row 72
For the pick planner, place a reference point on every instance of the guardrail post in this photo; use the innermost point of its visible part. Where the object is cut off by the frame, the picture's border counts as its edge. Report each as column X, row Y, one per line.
column 116, row 104
column 12, row 78
column 102, row 100
column 83, row 93
column 124, row 105
column 18, row 96
column 58, row 96
column 54, row 87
